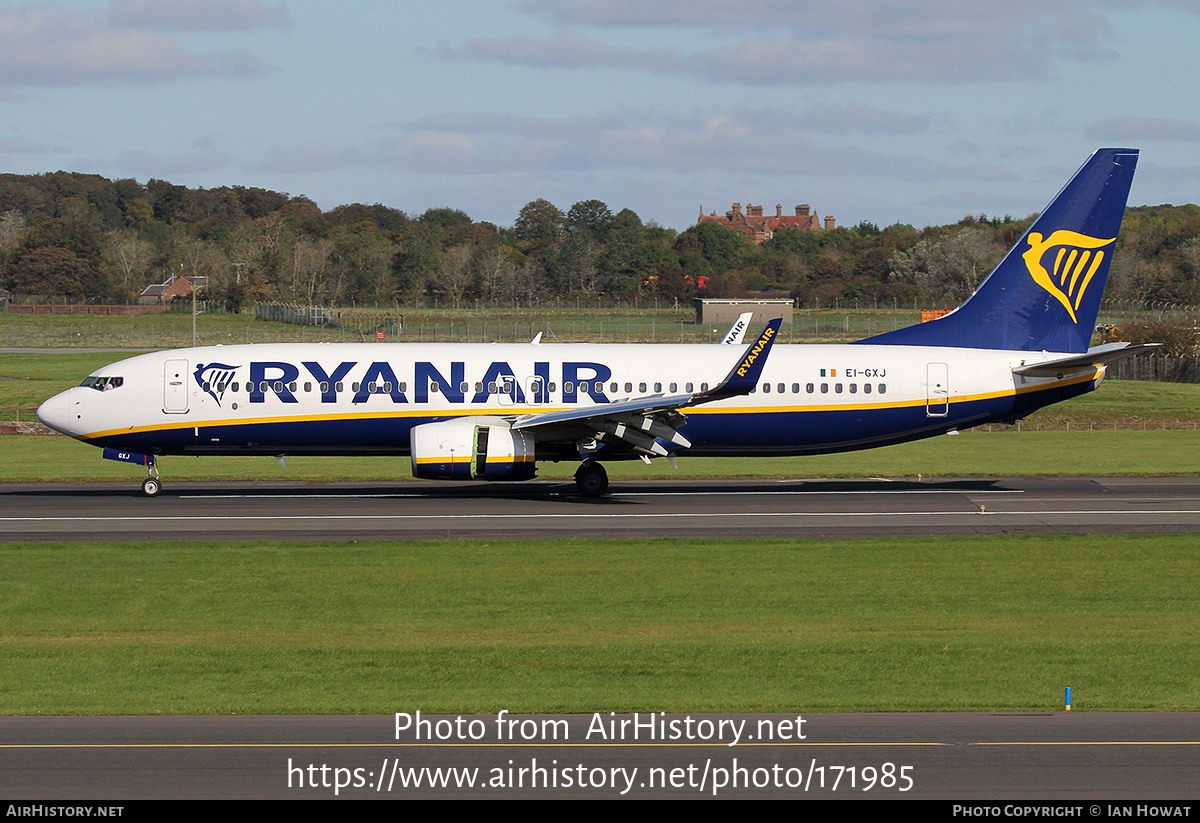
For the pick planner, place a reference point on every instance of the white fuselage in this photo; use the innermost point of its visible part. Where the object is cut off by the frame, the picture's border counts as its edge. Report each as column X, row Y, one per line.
column 364, row 398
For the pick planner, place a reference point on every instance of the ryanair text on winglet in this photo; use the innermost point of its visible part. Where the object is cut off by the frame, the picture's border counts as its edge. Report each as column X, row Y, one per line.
column 755, row 351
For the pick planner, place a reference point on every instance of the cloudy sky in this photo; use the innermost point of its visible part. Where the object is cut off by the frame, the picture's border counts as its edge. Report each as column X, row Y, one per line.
column 914, row 111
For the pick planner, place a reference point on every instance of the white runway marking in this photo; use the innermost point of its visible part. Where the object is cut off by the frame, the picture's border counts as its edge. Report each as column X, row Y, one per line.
column 423, row 495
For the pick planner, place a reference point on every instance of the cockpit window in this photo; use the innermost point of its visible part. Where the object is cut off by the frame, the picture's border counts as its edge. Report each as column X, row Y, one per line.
column 102, row 383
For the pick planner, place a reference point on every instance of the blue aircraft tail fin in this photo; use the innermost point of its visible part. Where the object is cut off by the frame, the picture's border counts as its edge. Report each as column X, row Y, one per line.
column 1045, row 294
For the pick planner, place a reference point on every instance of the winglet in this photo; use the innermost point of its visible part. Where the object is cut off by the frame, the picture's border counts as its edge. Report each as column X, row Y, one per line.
column 744, row 376
column 738, row 330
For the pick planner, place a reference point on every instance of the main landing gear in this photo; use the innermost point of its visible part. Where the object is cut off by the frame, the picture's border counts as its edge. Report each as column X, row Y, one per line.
column 591, row 479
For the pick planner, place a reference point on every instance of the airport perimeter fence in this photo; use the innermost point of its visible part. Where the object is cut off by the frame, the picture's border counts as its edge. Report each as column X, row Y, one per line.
column 559, row 320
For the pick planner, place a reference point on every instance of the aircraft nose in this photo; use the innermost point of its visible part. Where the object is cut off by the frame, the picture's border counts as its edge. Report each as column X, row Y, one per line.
column 55, row 413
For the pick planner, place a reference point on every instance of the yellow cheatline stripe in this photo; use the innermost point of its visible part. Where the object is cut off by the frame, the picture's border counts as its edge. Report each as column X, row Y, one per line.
column 454, row 458
column 505, row 411
column 509, row 411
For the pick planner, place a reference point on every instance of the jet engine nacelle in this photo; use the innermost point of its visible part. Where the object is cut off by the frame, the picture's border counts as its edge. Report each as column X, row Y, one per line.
column 471, row 449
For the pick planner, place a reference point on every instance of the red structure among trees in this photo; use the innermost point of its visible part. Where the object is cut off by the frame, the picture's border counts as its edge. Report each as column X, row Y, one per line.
column 761, row 228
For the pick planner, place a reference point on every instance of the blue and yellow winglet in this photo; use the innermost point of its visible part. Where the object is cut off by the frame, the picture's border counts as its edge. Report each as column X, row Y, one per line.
column 740, row 380
column 744, row 376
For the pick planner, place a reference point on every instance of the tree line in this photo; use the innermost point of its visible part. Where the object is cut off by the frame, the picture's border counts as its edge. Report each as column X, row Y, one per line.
column 87, row 238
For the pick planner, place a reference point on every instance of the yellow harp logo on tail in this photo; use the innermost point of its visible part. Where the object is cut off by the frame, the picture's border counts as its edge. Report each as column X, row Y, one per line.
column 1077, row 259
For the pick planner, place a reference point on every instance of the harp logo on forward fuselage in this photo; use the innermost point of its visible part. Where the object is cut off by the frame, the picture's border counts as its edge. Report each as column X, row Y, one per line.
column 214, row 378
column 1073, row 260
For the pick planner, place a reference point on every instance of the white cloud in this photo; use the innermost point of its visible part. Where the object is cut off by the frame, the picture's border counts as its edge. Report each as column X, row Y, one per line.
column 802, row 42
column 1144, row 128
column 310, row 157
column 744, row 141
column 145, row 164
column 199, row 15
column 19, row 145
column 54, row 47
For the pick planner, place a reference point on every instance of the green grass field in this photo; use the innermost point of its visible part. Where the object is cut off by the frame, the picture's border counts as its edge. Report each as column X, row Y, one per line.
column 976, row 624
column 52, row 458
column 565, row 321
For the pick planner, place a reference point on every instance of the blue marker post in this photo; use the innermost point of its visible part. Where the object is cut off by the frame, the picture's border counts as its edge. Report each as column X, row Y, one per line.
column 1068, row 698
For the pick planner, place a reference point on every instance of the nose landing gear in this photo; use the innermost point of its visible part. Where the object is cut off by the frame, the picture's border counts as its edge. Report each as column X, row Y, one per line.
column 151, row 485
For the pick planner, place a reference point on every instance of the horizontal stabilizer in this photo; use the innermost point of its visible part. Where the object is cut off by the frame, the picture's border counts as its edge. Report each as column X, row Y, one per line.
column 1097, row 356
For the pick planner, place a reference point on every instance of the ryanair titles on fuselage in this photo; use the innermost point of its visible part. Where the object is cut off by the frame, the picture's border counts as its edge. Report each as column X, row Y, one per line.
column 273, row 377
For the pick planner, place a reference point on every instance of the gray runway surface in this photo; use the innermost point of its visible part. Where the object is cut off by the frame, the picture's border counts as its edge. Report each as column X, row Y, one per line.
column 752, row 508
column 1064, row 757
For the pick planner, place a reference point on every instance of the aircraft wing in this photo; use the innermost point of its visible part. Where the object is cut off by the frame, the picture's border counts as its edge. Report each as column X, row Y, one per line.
column 1095, row 356
column 637, row 423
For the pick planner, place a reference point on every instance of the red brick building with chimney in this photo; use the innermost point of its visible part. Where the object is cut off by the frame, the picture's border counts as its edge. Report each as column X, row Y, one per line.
column 761, row 228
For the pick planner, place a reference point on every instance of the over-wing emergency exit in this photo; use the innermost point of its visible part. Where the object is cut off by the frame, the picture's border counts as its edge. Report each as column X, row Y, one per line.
column 492, row 411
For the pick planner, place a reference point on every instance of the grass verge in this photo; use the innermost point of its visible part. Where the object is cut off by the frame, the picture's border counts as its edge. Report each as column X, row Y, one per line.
column 972, row 624
column 1101, row 453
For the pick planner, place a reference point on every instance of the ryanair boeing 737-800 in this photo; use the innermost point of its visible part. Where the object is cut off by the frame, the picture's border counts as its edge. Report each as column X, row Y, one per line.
column 490, row 411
